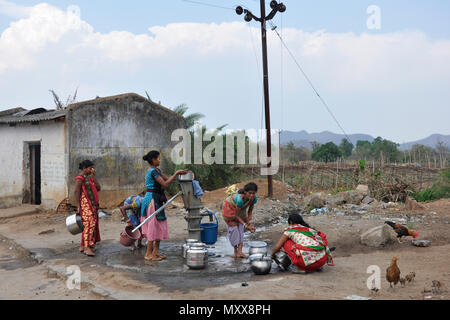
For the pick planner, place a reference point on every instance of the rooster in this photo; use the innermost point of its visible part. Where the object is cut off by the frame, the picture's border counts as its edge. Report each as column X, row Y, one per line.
column 393, row 272
column 401, row 231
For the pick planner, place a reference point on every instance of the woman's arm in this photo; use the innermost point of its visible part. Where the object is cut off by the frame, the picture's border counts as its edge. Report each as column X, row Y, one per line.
column 250, row 213
column 165, row 183
column 123, row 209
column 77, row 193
column 164, row 176
column 279, row 245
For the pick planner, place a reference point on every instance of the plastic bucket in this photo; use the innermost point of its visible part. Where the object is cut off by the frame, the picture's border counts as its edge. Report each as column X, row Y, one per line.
column 128, row 237
column 209, row 233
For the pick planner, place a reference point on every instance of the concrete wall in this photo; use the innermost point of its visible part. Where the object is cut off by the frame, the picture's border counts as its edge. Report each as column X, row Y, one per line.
column 115, row 133
column 13, row 173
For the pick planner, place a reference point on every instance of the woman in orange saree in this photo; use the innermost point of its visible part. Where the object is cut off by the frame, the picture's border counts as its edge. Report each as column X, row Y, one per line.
column 86, row 195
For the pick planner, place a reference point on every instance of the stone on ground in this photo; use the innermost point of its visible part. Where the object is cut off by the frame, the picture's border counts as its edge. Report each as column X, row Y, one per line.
column 377, row 236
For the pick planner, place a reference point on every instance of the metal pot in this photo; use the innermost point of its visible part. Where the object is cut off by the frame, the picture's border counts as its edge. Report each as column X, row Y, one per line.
column 189, row 176
column 282, row 259
column 185, row 247
column 74, row 224
column 261, row 264
column 257, row 247
column 197, row 256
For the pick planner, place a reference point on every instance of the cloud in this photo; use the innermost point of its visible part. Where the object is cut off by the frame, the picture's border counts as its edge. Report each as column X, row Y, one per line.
column 47, row 47
column 13, row 10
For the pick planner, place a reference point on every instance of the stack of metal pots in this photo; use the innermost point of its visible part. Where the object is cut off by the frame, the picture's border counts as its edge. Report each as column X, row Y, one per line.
column 195, row 253
column 260, row 263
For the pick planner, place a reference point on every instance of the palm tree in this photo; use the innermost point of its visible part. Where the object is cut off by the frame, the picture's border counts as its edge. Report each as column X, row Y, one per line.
column 191, row 118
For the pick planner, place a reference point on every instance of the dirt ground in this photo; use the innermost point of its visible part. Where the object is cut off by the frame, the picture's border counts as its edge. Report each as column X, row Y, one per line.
column 44, row 238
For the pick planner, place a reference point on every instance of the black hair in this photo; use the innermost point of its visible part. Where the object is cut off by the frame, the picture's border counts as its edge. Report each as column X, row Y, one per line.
column 150, row 156
column 85, row 164
column 249, row 187
column 296, row 218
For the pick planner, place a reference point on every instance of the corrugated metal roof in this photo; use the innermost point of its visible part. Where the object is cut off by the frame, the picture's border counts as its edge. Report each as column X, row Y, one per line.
column 18, row 118
column 10, row 112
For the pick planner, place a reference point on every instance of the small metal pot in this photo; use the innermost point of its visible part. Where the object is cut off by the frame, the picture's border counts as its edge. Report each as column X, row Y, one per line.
column 185, row 247
column 261, row 265
column 197, row 257
column 257, row 247
column 282, row 259
column 74, row 224
column 189, row 176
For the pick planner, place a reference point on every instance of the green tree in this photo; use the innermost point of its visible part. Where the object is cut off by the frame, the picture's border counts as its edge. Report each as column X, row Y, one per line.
column 346, row 147
column 363, row 148
column 290, row 146
column 327, row 152
column 386, row 148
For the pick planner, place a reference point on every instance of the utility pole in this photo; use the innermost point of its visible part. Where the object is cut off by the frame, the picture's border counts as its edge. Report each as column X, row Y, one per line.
column 276, row 7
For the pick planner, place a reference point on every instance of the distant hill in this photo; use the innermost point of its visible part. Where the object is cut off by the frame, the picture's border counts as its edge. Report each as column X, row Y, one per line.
column 303, row 139
column 430, row 141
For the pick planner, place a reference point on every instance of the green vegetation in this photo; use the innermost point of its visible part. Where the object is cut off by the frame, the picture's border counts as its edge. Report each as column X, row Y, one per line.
column 439, row 190
column 327, row 152
column 346, row 148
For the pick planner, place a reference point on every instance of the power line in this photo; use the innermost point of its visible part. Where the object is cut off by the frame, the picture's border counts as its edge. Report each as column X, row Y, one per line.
column 208, row 4
column 310, row 83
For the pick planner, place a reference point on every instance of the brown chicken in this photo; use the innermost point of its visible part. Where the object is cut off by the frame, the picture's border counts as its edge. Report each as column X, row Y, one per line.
column 393, row 272
column 401, row 231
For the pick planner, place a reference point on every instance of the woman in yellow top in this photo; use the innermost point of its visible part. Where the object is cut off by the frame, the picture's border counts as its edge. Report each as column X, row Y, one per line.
column 237, row 212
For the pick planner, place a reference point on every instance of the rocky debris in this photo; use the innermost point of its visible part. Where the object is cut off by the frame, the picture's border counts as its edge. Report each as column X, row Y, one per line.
column 363, row 189
column 388, row 205
column 377, row 236
column 319, row 211
column 411, row 204
column 316, row 200
column 367, row 200
column 353, row 196
column 421, row 243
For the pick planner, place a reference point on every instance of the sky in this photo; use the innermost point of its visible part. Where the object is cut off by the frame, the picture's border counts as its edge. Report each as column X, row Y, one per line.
column 384, row 72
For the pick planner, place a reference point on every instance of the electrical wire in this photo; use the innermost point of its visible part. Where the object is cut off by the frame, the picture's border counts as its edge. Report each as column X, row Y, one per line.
column 310, row 83
column 208, row 4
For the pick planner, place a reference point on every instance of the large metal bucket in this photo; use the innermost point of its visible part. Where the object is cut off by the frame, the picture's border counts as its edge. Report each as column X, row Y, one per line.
column 74, row 224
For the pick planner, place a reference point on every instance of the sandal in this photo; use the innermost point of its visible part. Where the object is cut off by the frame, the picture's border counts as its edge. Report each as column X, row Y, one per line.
column 161, row 256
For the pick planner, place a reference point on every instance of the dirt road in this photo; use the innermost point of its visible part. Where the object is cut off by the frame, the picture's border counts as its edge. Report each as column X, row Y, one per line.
column 118, row 273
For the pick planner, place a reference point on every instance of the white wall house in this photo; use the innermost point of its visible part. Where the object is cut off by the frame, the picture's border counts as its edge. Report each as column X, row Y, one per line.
column 33, row 158
column 40, row 150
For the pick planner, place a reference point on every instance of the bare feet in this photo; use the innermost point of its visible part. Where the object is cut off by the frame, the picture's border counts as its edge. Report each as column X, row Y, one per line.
column 161, row 256
column 81, row 249
column 156, row 258
column 242, row 256
column 88, row 251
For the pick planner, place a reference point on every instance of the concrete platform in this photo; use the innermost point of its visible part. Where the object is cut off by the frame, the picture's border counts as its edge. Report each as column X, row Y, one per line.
column 23, row 210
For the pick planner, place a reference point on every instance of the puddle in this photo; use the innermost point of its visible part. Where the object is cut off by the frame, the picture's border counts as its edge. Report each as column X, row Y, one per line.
column 173, row 274
column 9, row 263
